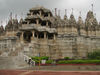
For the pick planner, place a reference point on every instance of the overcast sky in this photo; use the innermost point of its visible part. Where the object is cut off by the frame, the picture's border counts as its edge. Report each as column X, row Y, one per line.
column 22, row 6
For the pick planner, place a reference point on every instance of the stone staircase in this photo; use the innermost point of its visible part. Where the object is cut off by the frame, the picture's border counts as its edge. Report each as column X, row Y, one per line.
column 14, row 59
column 12, row 63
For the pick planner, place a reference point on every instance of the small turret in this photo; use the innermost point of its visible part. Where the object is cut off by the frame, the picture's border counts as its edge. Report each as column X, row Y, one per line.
column 72, row 20
column 90, row 18
column 65, row 16
column 81, row 26
column 2, row 30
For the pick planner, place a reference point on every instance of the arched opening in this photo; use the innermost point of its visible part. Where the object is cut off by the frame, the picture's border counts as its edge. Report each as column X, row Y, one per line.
column 50, row 35
column 45, row 14
column 41, row 35
column 49, row 24
column 32, row 21
column 43, row 23
column 27, row 36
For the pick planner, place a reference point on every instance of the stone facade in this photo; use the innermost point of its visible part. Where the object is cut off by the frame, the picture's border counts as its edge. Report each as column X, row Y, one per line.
column 42, row 34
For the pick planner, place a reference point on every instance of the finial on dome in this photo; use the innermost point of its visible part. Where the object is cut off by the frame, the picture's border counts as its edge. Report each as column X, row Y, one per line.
column 16, row 16
column 21, row 14
column 58, row 12
column 55, row 11
column 6, row 22
column 92, row 7
column 1, row 22
column 80, row 13
column 95, row 15
column 65, row 11
column 72, row 10
column 11, row 15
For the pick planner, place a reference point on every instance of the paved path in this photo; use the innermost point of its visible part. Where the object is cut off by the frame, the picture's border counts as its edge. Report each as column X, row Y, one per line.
column 30, row 72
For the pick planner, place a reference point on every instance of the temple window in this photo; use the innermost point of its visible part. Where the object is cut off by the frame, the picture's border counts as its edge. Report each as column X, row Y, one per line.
column 27, row 36
column 50, row 36
column 24, row 22
column 45, row 14
column 36, row 13
column 32, row 22
column 41, row 35
column 35, row 34
column 43, row 23
column 49, row 24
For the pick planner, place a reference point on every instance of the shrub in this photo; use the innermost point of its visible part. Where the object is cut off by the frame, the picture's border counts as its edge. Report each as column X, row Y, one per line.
column 44, row 58
column 94, row 55
column 37, row 59
column 79, row 62
column 41, row 58
column 66, row 58
column 49, row 61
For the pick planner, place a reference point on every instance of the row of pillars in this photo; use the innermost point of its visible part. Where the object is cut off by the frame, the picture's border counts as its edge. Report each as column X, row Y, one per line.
column 33, row 36
column 37, row 22
column 40, row 13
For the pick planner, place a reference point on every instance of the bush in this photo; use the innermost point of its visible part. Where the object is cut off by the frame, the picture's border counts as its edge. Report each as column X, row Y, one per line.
column 49, row 61
column 66, row 58
column 79, row 62
column 41, row 58
column 44, row 58
column 36, row 59
column 94, row 55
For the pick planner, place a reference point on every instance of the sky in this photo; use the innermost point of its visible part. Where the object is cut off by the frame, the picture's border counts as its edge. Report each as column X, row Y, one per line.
column 22, row 6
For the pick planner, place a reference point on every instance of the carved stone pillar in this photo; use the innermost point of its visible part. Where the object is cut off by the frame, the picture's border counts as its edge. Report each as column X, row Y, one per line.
column 47, row 24
column 27, row 22
column 32, row 38
column 37, row 35
column 31, row 13
column 48, row 14
column 37, row 21
column 54, row 36
column 40, row 13
column 22, row 37
column 44, row 35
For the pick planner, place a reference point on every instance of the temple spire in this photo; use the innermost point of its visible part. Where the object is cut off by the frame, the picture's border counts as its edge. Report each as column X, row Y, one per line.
column 58, row 12
column 6, row 22
column 16, row 16
column 22, row 15
column 65, row 11
column 55, row 11
column 80, row 13
column 1, row 22
column 11, row 15
column 72, row 10
column 95, row 15
column 92, row 7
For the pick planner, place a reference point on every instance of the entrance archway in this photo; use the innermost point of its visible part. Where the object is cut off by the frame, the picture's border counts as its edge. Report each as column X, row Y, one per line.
column 27, row 36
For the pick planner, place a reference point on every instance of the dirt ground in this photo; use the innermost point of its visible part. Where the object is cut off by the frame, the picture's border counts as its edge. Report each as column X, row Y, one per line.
column 30, row 72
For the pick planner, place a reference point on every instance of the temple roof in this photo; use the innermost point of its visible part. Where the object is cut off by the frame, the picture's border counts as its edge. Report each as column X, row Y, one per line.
column 40, row 8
